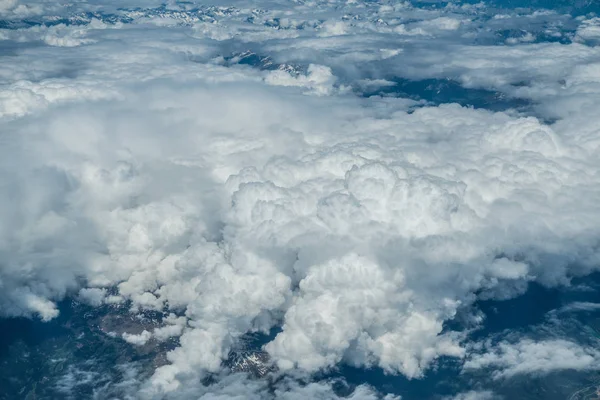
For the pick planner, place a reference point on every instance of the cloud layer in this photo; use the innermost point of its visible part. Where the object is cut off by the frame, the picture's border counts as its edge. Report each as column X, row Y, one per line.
column 145, row 153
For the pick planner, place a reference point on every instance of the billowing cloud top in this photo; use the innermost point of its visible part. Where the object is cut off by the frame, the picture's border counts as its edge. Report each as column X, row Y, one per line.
column 350, row 173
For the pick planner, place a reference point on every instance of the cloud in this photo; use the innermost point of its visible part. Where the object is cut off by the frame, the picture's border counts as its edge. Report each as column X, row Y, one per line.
column 475, row 395
column 238, row 386
column 6, row 5
column 93, row 296
column 139, row 339
column 579, row 306
column 528, row 357
column 589, row 29
column 318, row 80
column 342, row 305
column 134, row 157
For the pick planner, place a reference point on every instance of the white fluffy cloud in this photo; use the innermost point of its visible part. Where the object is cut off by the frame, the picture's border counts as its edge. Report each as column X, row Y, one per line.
column 241, row 199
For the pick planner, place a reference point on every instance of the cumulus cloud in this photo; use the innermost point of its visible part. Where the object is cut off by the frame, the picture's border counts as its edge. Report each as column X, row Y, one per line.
column 318, row 80
column 342, row 305
column 139, row 339
column 589, row 29
column 135, row 158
